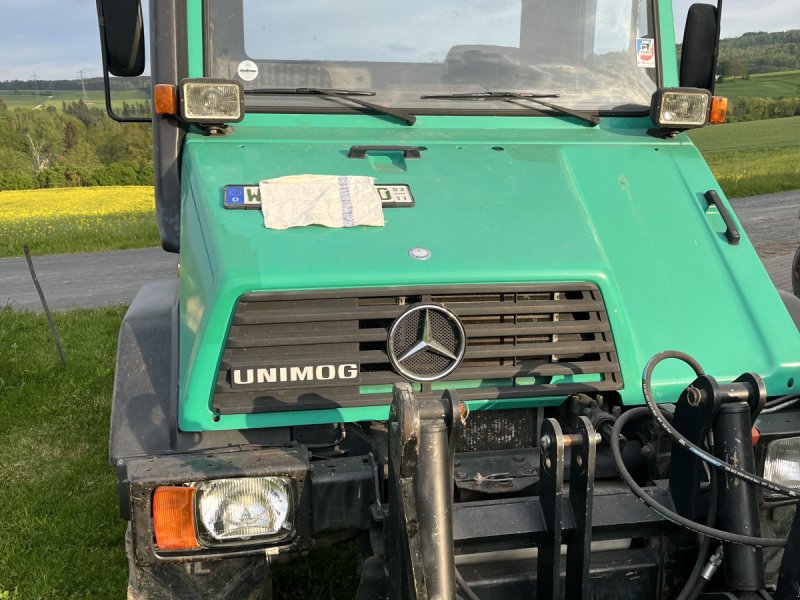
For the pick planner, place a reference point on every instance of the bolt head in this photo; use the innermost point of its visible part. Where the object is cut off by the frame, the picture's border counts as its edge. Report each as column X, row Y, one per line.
column 694, row 396
column 546, row 441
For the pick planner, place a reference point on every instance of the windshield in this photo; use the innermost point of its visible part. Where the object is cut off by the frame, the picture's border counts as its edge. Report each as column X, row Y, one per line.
column 594, row 54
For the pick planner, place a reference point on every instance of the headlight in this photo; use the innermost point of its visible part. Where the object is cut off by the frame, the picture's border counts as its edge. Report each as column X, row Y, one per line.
column 680, row 108
column 782, row 462
column 214, row 101
column 249, row 509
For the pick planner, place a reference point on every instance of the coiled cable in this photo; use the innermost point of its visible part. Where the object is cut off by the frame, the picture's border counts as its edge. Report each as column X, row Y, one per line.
column 690, row 446
column 725, row 536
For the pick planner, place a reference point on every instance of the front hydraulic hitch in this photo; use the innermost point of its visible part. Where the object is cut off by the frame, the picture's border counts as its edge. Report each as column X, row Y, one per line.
column 422, row 434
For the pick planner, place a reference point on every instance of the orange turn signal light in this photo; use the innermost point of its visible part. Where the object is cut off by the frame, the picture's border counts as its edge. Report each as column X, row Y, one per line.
column 165, row 99
column 719, row 110
column 756, row 435
column 173, row 518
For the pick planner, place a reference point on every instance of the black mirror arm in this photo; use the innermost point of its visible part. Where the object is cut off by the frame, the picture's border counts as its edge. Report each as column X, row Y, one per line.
column 716, row 48
column 106, row 79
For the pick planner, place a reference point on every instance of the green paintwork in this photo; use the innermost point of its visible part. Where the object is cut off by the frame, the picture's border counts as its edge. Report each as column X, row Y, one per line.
column 194, row 26
column 669, row 54
column 559, row 202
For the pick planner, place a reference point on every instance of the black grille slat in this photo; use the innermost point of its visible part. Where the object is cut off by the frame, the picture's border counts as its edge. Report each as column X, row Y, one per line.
column 363, row 335
column 382, row 312
column 538, row 328
column 518, row 338
column 505, row 351
column 231, row 403
column 494, row 372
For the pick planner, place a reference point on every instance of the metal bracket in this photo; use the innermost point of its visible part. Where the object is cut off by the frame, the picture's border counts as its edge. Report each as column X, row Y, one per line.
column 583, row 453
column 422, row 435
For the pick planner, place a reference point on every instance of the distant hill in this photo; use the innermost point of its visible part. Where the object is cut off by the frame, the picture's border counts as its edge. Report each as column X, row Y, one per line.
column 760, row 52
column 92, row 83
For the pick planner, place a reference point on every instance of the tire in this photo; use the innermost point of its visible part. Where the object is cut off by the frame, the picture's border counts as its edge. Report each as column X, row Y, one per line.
column 244, row 578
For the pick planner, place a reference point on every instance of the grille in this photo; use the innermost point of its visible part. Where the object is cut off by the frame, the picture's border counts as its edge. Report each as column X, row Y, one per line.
column 498, row 430
column 522, row 342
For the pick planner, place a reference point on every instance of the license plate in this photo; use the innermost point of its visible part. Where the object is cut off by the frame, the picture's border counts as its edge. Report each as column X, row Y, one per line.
column 392, row 195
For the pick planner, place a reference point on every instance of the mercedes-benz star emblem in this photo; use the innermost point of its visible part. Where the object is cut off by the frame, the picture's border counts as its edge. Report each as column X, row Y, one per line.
column 426, row 343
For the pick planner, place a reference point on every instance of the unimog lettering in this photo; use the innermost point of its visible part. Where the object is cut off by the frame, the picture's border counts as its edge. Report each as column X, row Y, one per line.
column 308, row 373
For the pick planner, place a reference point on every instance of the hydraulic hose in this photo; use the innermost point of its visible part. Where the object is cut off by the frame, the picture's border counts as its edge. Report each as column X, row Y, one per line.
column 468, row 593
column 687, row 593
column 665, row 512
column 688, row 445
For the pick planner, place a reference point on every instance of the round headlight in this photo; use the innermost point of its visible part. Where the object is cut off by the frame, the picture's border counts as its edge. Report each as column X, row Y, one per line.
column 249, row 510
column 782, row 462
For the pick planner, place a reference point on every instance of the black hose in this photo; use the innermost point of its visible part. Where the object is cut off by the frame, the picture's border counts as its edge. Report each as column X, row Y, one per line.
column 665, row 512
column 777, row 407
column 781, row 400
column 705, row 544
column 465, row 587
column 694, row 448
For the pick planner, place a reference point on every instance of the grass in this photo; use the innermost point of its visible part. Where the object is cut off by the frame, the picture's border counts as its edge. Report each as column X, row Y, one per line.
column 30, row 99
column 754, row 157
column 783, row 84
column 60, row 532
column 64, row 220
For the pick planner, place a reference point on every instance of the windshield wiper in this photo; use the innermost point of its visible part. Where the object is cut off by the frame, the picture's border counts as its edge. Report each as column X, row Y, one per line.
column 514, row 98
column 409, row 119
column 489, row 95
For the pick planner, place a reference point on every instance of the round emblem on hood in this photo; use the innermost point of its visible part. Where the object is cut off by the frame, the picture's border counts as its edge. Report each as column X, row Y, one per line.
column 426, row 343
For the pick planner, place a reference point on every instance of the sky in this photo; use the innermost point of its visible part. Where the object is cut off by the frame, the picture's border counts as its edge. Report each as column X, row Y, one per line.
column 55, row 39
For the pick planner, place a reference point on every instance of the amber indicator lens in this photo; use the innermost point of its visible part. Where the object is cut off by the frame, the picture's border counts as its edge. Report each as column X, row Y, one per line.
column 719, row 110
column 173, row 518
column 165, row 99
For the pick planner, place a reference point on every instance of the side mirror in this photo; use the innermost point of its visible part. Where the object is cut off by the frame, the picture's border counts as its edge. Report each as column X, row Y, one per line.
column 700, row 47
column 122, row 36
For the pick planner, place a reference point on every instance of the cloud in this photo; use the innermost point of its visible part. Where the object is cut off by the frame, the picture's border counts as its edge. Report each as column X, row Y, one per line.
column 52, row 38
column 56, row 38
column 741, row 16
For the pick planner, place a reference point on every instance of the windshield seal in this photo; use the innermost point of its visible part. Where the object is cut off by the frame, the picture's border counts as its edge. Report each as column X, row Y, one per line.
column 499, row 107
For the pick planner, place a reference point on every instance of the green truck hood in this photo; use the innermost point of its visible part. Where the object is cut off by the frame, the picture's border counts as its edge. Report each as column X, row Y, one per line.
column 558, row 203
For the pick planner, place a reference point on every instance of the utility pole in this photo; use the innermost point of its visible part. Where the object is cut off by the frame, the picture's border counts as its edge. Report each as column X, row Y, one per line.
column 83, row 87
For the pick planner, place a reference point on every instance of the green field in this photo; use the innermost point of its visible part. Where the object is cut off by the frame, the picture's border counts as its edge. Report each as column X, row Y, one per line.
column 65, row 220
column 783, row 84
column 61, row 536
column 755, row 157
column 45, row 98
column 60, row 533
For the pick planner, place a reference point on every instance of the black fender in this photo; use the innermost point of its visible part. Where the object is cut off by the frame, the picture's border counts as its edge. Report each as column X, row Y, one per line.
column 144, row 411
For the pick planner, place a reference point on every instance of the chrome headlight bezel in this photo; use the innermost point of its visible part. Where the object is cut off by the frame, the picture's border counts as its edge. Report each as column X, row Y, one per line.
column 694, row 104
column 193, row 114
column 285, row 530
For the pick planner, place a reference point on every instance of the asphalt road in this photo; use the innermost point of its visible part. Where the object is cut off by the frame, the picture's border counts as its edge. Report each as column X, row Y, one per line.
column 108, row 278
column 87, row 280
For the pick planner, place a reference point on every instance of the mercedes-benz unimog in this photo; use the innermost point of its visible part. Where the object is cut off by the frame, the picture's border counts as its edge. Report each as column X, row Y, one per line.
column 454, row 282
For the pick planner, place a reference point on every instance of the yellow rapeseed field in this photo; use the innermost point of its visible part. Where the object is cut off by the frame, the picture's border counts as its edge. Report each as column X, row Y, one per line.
column 59, row 220
column 74, row 202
